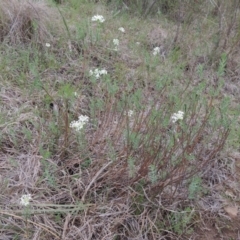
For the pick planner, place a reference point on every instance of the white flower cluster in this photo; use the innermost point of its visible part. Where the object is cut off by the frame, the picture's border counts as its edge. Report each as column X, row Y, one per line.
column 48, row 45
column 98, row 18
column 121, row 29
column 156, row 51
column 116, row 44
column 97, row 73
column 25, row 199
column 78, row 125
column 177, row 116
column 129, row 113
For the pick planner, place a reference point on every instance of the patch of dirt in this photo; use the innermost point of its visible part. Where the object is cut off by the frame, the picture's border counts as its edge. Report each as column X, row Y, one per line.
column 230, row 231
column 157, row 35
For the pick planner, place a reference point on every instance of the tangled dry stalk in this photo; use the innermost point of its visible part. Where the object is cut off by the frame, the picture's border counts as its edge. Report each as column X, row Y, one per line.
column 26, row 21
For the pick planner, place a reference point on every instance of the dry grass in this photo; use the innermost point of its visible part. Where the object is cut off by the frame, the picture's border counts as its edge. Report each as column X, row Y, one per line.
column 26, row 21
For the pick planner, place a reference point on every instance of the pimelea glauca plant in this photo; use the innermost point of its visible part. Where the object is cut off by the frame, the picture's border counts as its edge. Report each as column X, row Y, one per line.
column 118, row 128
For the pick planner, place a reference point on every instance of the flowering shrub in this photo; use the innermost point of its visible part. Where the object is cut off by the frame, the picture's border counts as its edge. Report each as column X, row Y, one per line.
column 78, row 125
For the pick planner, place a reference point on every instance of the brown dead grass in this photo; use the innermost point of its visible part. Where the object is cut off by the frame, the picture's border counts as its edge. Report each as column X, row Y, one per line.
column 25, row 21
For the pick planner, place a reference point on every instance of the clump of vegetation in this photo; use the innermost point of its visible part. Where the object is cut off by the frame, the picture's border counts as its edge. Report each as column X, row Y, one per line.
column 26, row 21
column 115, row 131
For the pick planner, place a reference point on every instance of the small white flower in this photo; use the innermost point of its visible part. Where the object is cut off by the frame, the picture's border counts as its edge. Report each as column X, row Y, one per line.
column 98, row 18
column 138, row 43
column 121, row 29
column 24, row 200
column 156, row 51
column 97, row 73
column 48, row 45
column 130, row 113
column 116, row 44
column 177, row 116
column 103, row 72
column 78, row 125
column 90, row 72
